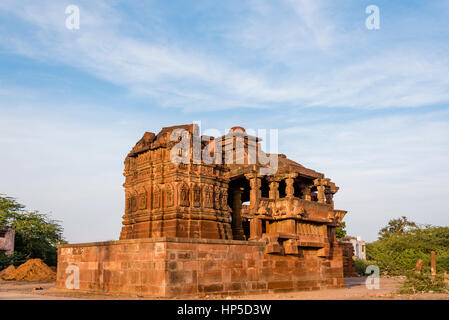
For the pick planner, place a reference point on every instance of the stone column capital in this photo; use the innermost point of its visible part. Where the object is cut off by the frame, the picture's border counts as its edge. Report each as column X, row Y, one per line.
column 252, row 175
column 274, row 178
column 292, row 175
column 321, row 182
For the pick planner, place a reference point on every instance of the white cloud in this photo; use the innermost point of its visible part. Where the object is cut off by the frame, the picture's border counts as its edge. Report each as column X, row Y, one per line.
column 317, row 24
column 180, row 76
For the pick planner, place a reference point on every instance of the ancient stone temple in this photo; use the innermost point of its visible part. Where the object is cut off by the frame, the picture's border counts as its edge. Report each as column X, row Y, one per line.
column 213, row 215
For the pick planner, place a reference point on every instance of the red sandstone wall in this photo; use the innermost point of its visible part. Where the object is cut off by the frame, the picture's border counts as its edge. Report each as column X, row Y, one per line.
column 176, row 267
column 348, row 262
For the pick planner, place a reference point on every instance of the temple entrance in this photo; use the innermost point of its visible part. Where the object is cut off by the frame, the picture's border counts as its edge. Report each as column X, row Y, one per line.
column 238, row 193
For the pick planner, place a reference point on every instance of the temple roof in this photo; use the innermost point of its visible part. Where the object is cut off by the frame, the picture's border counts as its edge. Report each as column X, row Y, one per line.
column 286, row 165
column 151, row 141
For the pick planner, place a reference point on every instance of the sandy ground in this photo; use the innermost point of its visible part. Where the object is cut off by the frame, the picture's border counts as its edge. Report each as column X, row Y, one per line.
column 356, row 290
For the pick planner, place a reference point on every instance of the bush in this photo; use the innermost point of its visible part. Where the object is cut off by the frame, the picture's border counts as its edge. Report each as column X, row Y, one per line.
column 15, row 259
column 398, row 253
column 423, row 282
column 361, row 265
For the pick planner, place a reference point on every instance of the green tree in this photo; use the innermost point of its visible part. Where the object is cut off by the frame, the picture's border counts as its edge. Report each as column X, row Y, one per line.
column 340, row 232
column 397, row 251
column 395, row 227
column 36, row 234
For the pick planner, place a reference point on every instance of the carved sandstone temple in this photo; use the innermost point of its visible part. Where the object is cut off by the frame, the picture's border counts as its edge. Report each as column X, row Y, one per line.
column 221, row 226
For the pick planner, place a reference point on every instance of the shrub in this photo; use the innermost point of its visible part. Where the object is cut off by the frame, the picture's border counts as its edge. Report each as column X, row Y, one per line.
column 398, row 253
column 15, row 259
column 423, row 282
column 361, row 265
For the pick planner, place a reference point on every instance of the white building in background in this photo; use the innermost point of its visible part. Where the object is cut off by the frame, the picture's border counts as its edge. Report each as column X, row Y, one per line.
column 359, row 246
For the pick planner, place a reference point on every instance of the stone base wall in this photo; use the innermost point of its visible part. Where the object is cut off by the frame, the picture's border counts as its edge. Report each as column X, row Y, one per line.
column 174, row 267
column 348, row 262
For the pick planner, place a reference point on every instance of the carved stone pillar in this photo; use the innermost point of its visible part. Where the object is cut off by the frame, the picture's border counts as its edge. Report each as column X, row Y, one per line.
column 330, row 191
column 306, row 193
column 274, row 189
column 321, row 185
column 330, row 198
column 290, row 192
column 289, row 189
column 255, row 228
column 237, row 228
column 255, row 183
column 321, row 194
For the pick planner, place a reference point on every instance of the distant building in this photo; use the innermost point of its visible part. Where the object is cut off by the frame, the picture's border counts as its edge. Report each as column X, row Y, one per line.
column 359, row 246
column 7, row 240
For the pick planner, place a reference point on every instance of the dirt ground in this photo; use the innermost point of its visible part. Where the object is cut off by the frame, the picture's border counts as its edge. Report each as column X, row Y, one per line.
column 356, row 290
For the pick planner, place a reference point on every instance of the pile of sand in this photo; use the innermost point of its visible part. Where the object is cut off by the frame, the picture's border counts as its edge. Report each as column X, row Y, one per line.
column 6, row 272
column 32, row 270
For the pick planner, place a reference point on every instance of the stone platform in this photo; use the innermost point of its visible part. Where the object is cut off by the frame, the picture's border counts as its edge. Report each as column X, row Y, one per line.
column 176, row 267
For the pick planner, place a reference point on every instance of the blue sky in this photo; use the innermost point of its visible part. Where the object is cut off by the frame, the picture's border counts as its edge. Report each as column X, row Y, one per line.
column 369, row 108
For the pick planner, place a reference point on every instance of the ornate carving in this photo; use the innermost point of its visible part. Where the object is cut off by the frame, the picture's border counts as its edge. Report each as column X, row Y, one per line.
column 306, row 191
column 339, row 214
column 321, row 196
column 169, row 195
column 184, row 195
column 142, row 199
column 156, row 197
column 224, row 199
column 128, row 203
column 217, row 203
column 274, row 190
column 289, row 189
column 208, row 197
column 329, row 198
column 196, row 197
column 134, row 202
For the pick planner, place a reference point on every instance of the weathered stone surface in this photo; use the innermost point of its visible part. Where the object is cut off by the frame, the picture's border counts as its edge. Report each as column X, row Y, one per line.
column 172, row 267
column 433, row 263
column 348, row 262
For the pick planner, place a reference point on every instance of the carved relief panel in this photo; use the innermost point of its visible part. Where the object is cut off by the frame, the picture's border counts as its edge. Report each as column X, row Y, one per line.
column 169, row 196
column 196, row 196
column 217, row 203
column 224, row 199
column 134, row 202
column 128, row 203
column 184, row 195
column 156, row 197
column 208, row 197
column 142, row 199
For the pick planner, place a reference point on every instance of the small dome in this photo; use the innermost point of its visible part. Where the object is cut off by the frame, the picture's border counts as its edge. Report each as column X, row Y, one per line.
column 237, row 129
